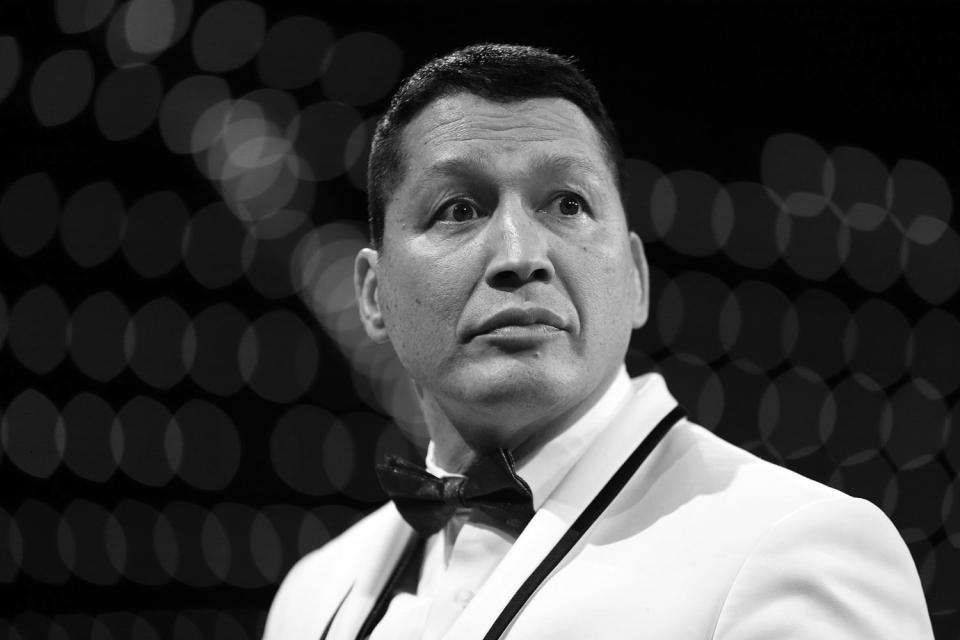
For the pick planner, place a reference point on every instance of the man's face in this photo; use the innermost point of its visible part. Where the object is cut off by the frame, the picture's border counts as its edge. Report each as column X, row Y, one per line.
column 507, row 280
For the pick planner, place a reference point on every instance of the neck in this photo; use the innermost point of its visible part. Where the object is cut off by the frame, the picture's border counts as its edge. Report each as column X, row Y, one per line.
column 455, row 453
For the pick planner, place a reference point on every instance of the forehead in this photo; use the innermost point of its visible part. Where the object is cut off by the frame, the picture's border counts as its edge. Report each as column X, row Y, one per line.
column 465, row 125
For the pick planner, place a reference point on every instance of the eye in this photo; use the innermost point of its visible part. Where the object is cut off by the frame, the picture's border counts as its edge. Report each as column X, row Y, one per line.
column 458, row 211
column 569, row 204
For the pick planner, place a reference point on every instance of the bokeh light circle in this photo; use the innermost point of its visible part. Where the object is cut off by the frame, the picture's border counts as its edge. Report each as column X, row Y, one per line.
column 822, row 319
column 796, row 414
column 286, row 356
column 153, row 343
column 96, row 336
column 764, row 310
column 138, row 437
column 38, row 329
column 92, row 223
column 218, row 331
column 212, row 246
column 127, row 101
column 154, row 232
column 183, row 106
column 88, row 419
column 934, row 350
column 98, row 546
column 77, row 16
column 10, row 63
column 292, row 52
column 228, row 35
column 149, row 25
column 297, row 449
column 211, row 449
column 322, row 132
column 931, row 270
column 362, row 68
column 876, row 341
column 61, row 87
column 28, row 214
column 32, row 432
column 42, row 559
column 915, row 425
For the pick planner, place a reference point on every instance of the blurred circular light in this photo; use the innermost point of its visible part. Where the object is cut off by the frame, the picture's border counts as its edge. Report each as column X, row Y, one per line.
column 4, row 320
column 10, row 63
column 287, row 357
column 266, row 548
column 184, row 105
column 752, row 238
column 763, row 311
column 704, row 296
column 357, row 153
column 149, row 25
column 92, row 223
column 228, row 35
column 28, row 214
column 119, row 47
column 917, row 423
column 322, row 132
column 877, row 345
column 861, row 404
column 813, row 246
column 38, row 329
column 212, row 246
column 138, row 440
column 154, row 341
column 874, row 258
column 215, row 543
column 795, row 403
column 935, row 350
column 267, row 268
column 89, row 420
column 822, row 320
column 362, row 68
column 641, row 177
column 42, row 559
column 9, row 558
column 296, row 445
column 916, row 190
column 96, row 336
column 702, row 215
column 76, row 16
column 32, row 434
column 931, row 270
column 793, row 163
column 154, row 233
column 97, row 550
column 292, row 52
column 187, row 520
column 127, row 101
column 61, row 87
column 211, row 446
column 313, row 532
column 218, row 331
column 238, row 521
column 138, row 521
column 861, row 178
column 339, row 459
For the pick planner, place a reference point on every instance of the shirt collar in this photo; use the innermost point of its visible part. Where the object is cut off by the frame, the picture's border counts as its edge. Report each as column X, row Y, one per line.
column 544, row 467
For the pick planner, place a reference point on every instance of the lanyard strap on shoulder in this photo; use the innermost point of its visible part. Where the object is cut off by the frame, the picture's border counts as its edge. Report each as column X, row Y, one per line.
column 600, row 502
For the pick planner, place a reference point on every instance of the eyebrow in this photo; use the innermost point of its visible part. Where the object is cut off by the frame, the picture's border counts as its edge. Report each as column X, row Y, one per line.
column 471, row 164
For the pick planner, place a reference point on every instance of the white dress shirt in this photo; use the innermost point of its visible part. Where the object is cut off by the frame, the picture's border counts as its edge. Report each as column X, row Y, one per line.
column 460, row 557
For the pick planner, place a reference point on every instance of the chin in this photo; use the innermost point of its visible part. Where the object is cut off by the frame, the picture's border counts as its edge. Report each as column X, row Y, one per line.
column 509, row 398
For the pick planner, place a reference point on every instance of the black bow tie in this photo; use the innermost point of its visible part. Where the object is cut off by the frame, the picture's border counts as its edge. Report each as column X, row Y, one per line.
column 491, row 489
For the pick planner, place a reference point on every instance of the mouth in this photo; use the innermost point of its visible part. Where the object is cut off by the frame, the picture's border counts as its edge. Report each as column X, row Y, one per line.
column 519, row 322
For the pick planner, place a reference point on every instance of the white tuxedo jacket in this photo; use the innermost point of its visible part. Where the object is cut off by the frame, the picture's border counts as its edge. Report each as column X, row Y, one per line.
column 705, row 541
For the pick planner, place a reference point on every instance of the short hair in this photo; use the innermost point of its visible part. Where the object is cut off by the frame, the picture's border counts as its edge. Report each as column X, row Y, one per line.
column 495, row 72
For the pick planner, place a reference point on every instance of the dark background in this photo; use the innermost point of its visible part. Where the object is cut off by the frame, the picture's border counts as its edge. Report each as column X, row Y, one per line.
column 178, row 428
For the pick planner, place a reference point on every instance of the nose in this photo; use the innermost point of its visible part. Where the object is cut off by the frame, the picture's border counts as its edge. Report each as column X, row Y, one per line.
column 518, row 246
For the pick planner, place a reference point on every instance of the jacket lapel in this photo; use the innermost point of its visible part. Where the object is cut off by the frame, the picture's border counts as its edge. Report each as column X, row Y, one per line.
column 650, row 403
column 382, row 554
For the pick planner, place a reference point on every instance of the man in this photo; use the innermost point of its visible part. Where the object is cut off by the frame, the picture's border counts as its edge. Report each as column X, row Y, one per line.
column 561, row 499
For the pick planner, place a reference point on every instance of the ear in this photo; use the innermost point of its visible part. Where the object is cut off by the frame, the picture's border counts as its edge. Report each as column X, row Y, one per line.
column 641, row 282
column 366, row 287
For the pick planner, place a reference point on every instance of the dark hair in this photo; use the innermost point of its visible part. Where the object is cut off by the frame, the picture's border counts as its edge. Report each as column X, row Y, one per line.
column 496, row 72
